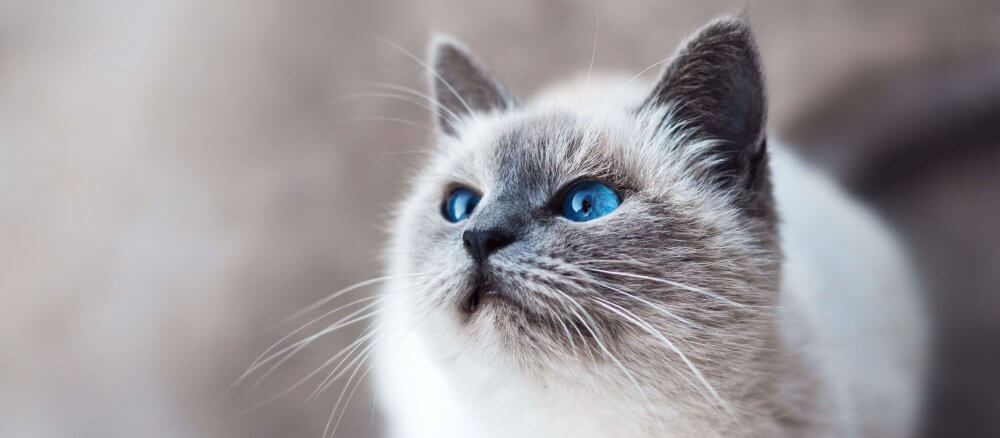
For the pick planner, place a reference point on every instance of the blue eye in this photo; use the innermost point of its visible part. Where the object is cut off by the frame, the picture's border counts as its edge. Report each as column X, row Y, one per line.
column 460, row 204
column 589, row 200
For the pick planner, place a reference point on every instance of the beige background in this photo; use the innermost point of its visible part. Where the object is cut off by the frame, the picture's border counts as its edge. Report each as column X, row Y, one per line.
column 177, row 176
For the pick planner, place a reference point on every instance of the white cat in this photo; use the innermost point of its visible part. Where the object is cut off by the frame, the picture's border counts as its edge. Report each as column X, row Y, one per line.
column 617, row 259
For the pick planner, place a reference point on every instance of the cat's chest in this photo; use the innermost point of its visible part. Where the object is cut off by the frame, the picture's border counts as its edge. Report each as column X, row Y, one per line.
column 457, row 398
column 509, row 405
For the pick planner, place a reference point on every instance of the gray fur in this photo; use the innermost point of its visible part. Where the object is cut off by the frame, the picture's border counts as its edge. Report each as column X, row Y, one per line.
column 460, row 85
column 670, row 303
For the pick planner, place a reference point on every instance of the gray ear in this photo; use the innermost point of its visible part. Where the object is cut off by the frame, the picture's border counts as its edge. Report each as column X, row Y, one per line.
column 460, row 86
column 715, row 86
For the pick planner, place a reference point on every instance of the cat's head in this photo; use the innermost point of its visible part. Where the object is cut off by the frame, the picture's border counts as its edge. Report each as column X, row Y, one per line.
column 631, row 233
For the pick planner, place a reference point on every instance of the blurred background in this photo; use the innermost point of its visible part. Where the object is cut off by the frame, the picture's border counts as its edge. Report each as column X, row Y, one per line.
column 178, row 176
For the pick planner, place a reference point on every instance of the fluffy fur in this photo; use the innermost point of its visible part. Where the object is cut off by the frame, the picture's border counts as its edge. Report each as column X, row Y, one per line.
column 733, row 293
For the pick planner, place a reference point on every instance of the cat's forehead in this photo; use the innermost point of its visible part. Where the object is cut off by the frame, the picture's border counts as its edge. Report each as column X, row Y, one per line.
column 531, row 145
column 537, row 152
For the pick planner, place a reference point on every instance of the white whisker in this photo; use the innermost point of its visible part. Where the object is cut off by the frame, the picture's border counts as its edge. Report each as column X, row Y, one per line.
column 254, row 365
column 599, row 342
column 593, row 54
column 391, row 119
column 428, row 106
column 361, row 379
column 671, row 283
column 554, row 316
column 655, row 307
column 434, row 73
column 664, row 60
column 631, row 317
column 430, row 100
column 342, row 366
column 347, row 289
column 299, row 345
column 288, row 390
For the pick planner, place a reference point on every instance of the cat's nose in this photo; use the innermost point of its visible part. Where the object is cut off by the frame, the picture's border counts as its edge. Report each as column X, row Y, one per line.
column 481, row 243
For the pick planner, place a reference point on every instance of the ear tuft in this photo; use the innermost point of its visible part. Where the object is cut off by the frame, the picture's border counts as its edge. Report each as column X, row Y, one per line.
column 460, row 86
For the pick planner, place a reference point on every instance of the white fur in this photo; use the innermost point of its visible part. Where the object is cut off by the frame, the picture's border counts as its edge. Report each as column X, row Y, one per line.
column 849, row 305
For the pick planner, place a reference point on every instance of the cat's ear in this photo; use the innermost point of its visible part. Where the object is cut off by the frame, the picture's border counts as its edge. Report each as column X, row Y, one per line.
column 460, row 85
column 714, row 87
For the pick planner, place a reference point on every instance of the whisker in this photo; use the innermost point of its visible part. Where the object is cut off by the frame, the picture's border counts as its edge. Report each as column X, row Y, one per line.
column 361, row 379
column 347, row 289
column 344, row 363
column 253, row 366
column 639, row 322
column 391, row 119
column 286, row 391
column 329, row 421
column 345, row 321
column 563, row 301
column 331, row 378
column 671, row 283
column 434, row 73
column 593, row 54
column 557, row 278
column 420, row 94
column 554, row 316
column 667, row 59
column 655, row 307
column 402, row 97
column 299, row 345
column 659, row 335
column 345, row 351
column 599, row 342
column 392, row 351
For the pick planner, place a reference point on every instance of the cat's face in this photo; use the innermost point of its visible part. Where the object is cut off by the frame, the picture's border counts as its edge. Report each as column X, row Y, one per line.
column 550, row 237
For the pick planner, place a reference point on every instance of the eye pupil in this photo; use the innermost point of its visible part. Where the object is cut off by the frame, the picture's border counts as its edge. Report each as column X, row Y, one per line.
column 469, row 206
column 589, row 200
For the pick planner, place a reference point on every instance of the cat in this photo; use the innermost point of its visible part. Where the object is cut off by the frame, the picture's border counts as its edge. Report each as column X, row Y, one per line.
column 623, row 259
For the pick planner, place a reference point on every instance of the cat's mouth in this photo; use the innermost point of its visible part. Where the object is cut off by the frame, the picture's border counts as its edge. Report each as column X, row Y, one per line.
column 487, row 293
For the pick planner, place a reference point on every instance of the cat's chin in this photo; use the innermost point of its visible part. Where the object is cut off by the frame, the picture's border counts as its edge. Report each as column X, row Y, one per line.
column 487, row 297
column 493, row 302
column 503, row 328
